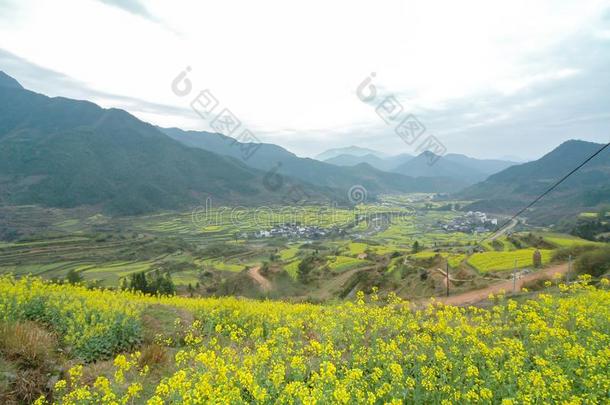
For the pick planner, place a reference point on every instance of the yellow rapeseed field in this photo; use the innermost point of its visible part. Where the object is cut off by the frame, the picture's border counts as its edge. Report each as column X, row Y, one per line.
column 555, row 348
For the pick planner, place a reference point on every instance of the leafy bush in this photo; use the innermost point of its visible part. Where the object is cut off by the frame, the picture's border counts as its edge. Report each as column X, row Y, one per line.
column 563, row 254
column 595, row 262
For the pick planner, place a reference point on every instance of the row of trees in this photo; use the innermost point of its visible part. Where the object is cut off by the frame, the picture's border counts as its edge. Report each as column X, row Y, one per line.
column 150, row 283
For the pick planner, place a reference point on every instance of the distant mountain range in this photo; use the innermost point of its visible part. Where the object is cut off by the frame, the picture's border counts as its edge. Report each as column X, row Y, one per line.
column 387, row 164
column 60, row 152
column 273, row 158
column 463, row 169
column 66, row 153
column 459, row 167
column 350, row 150
column 514, row 187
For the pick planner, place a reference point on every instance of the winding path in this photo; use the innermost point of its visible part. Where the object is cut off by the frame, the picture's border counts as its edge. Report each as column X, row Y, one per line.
column 472, row 297
column 263, row 283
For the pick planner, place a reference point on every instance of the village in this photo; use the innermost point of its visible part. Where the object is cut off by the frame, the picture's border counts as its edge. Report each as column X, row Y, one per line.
column 298, row 231
column 471, row 222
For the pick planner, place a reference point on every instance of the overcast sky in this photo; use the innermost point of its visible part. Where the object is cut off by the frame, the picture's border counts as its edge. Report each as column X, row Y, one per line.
column 487, row 78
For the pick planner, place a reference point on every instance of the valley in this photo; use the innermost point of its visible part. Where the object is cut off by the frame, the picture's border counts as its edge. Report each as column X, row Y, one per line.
column 304, row 253
column 150, row 264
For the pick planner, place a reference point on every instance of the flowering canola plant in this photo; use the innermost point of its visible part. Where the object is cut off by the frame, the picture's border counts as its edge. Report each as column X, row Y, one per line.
column 93, row 322
column 555, row 348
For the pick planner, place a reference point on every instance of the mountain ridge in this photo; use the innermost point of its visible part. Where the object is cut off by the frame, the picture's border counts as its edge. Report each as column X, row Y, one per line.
column 66, row 153
column 270, row 157
column 520, row 184
column 349, row 150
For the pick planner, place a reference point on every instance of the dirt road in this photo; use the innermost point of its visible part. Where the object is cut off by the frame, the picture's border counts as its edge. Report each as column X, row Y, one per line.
column 475, row 296
column 513, row 223
column 263, row 283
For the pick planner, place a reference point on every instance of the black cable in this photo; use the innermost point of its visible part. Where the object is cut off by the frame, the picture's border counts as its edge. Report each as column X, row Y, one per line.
column 541, row 196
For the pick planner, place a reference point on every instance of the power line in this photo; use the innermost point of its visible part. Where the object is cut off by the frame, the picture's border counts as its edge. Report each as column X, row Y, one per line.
column 541, row 196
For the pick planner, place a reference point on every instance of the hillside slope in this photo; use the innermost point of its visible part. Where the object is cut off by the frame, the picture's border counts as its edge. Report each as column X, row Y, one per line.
column 66, row 153
column 511, row 188
column 443, row 167
column 269, row 157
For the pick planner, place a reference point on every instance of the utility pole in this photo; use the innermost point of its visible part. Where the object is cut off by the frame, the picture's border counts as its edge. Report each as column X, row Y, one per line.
column 447, row 275
column 569, row 269
column 515, row 277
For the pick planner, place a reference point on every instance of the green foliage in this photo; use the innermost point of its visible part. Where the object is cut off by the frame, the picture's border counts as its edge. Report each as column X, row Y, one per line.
column 306, row 266
column 152, row 283
column 341, row 263
column 595, row 262
column 589, row 228
column 222, row 249
column 563, row 254
column 74, row 277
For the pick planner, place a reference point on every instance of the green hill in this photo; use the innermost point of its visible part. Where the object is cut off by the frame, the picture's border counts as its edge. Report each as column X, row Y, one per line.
column 66, row 153
column 517, row 185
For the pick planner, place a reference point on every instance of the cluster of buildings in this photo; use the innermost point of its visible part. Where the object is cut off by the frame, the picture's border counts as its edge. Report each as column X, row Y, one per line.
column 472, row 221
column 295, row 231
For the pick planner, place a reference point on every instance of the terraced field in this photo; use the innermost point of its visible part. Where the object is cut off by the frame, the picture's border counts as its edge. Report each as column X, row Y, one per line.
column 342, row 263
column 455, row 259
column 422, row 228
column 107, row 261
column 560, row 240
column 496, row 261
column 182, row 243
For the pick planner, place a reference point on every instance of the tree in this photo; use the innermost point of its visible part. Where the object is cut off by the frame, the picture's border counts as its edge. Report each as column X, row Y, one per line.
column 537, row 259
column 161, row 284
column 74, row 277
column 416, row 248
column 305, row 267
column 265, row 268
column 190, row 290
column 138, row 282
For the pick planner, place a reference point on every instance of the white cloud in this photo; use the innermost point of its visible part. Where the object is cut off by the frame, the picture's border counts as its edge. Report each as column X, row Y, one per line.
column 289, row 69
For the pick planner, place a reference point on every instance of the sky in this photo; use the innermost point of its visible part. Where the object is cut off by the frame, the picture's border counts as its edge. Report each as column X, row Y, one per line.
column 490, row 79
